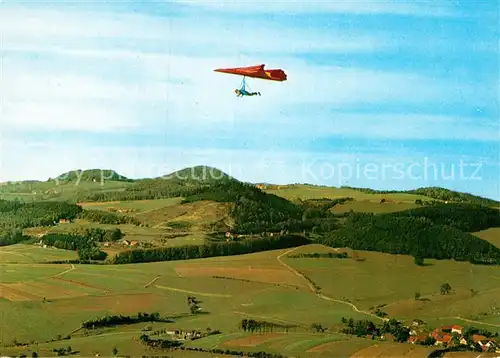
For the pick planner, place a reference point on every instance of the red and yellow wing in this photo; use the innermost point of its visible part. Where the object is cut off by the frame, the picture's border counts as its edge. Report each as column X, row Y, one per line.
column 256, row 72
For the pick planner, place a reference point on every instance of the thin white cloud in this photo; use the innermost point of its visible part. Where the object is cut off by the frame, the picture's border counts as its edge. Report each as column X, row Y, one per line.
column 415, row 7
column 178, row 90
column 50, row 116
column 24, row 27
column 381, row 126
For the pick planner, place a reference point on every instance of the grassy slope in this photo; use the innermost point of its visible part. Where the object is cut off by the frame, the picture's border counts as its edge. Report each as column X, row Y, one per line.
column 277, row 294
column 50, row 190
column 303, row 192
column 492, row 235
column 394, row 279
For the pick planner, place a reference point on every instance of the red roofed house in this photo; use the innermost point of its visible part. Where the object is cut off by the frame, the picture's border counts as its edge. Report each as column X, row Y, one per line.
column 477, row 337
column 447, row 329
column 457, row 329
column 419, row 338
column 487, row 344
column 442, row 338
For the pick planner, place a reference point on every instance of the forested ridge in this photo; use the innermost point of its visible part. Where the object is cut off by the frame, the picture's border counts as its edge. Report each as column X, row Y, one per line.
column 436, row 193
column 465, row 217
column 418, row 236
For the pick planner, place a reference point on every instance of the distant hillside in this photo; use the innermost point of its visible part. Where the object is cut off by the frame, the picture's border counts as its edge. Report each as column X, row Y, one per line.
column 199, row 173
column 91, row 175
column 182, row 183
column 436, row 193
column 255, row 211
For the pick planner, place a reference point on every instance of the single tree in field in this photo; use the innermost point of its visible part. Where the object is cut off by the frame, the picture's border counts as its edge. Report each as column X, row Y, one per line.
column 417, row 295
column 115, row 351
column 445, row 288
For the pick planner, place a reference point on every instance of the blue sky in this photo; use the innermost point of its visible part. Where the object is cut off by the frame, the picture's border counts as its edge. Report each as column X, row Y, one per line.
column 372, row 86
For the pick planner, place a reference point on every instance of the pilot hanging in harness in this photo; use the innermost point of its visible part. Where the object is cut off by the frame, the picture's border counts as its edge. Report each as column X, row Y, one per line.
column 243, row 92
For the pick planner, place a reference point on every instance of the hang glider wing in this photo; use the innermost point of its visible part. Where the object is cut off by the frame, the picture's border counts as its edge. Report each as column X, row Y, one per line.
column 256, row 72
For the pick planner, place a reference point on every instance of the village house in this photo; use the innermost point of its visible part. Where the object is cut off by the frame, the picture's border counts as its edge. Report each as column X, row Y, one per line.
column 180, row 335
column 442, row 338
column 418, row 338
column 457, row 329
column 64, row 221
column 416, row 327
column 487, row 344
column 389, row 337
column 476, row 338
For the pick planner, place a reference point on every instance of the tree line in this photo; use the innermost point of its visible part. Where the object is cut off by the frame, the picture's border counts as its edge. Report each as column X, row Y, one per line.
column 84, row 241
column 104, row 217
column 117, row 320
column 211, row 249
column 316, row 255
column 251, row 325
column 159, row 343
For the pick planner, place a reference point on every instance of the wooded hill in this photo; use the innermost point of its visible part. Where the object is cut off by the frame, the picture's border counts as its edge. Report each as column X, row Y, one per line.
column 436, row 193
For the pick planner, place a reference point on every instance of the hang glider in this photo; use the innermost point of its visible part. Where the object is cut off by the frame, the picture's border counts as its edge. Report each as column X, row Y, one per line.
column 256, row 72
column 253, row 72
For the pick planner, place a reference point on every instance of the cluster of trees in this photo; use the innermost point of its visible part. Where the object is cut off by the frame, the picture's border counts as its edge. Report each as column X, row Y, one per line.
column 211, row 249
column 12, row 236
column 159, row 343
column 411, row 235
column 316, row 255
column 63, row 351
column 365, row 327
column 85, row 241
column 465, row 217
column 193, row 304
column 251, row 325
column 17, row 215
column 104, row 217
column 108, row 321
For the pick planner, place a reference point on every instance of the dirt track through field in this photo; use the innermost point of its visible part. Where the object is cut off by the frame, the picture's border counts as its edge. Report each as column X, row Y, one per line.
column 152, row 281
column 320, row 295
column 194, row 292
